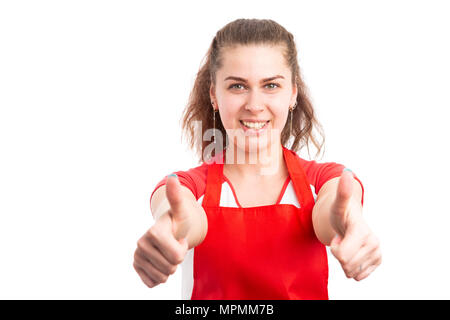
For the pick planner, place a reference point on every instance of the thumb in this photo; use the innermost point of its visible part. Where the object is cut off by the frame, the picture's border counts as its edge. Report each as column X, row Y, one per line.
column 174, row 194
column 343, row 194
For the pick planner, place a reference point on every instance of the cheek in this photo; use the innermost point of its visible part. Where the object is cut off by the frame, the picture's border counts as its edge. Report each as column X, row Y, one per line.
column 228, row 116
column 281, row 117
column 229, row 112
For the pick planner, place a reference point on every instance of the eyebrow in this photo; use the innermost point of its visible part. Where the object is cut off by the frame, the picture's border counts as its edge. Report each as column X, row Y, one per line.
column 262, row 81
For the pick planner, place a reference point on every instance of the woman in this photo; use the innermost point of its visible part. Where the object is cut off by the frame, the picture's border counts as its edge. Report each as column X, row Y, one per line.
column 237, row 234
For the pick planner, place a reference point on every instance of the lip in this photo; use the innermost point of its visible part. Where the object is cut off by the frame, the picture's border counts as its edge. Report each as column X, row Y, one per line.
column 253, row 132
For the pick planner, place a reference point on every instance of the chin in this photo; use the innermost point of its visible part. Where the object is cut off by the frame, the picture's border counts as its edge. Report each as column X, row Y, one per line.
column 253, row 146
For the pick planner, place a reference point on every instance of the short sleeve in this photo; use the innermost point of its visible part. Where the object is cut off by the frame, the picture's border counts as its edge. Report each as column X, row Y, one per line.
column 319, row 173
column 194, row 179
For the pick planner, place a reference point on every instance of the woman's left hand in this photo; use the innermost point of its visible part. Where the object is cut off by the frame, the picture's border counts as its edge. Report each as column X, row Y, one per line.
column 355, row 245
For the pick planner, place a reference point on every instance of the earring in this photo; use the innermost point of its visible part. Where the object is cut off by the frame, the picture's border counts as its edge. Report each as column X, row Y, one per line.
column 290, row 125
column 214, row 121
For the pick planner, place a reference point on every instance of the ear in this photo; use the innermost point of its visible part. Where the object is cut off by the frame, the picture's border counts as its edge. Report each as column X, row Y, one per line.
column 212, row 93
column 294, row 94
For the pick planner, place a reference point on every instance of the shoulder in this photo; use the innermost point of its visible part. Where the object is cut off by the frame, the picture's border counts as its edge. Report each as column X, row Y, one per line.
column 318, row 173
column 194, row 179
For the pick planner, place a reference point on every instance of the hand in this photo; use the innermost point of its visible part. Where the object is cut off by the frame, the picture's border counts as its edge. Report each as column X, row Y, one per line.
column 158, row 251
column 355, row 246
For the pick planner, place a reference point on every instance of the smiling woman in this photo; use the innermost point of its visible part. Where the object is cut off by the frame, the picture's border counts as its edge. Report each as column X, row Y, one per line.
column 253, row 221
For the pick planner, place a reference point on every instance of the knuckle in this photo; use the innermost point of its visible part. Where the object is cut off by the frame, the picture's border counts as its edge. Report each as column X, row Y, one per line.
column 178, row 258
column 152, row 233
column 136, row 257
column 379, row 260
column 344, row 260
column 145, row 279
column 136, row 268
column 139, row 257
column 352, row 269
column 141, row 244
column 155, row 280
column 163, row 279
column 337, row 253
column 376, row 256
column 346, row 270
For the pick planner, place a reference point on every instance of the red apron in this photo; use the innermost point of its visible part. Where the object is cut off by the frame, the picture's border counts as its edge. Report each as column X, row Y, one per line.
column 265, row 252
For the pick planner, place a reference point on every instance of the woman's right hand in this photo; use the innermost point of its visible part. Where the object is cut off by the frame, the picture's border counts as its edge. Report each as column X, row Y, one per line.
column 163, row 247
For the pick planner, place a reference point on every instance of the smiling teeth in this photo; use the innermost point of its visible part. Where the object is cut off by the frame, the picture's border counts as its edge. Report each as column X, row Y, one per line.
column 254, row 125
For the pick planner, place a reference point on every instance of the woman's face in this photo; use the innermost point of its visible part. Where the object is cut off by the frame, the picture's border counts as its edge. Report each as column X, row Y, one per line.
column 253, row 88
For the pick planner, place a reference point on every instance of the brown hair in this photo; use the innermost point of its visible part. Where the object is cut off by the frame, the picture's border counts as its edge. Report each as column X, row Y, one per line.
column 249, row 32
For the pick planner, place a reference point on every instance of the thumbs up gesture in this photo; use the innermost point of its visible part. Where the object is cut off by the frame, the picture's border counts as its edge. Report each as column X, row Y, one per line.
column 354, row 246
column 179, row 210
column 164, row 245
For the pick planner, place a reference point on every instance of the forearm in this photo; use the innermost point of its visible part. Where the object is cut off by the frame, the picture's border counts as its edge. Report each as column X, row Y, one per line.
column 321, row 219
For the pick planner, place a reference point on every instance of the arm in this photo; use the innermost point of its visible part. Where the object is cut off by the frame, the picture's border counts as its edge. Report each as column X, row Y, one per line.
column 193, row 223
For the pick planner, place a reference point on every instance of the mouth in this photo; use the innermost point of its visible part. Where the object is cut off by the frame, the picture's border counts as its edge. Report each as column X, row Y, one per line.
column 254, row 127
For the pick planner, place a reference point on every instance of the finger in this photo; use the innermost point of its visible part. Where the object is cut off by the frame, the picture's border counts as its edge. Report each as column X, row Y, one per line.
column 366, row 267
column 346, row 249
column 173, row 250
column 153, row 273
column 343, row 193
column 362, row 258
column 149, row 252
column 369, row 250
column 334, row 245
column 174, row 194
column 366, row 272
column 144, row 277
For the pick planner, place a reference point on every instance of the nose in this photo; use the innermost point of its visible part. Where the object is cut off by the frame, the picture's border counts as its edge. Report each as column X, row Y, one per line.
column 254, row 103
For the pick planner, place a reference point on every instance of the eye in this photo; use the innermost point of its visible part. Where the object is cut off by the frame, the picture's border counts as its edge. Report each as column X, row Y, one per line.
column 275, row 84
column 234, row 85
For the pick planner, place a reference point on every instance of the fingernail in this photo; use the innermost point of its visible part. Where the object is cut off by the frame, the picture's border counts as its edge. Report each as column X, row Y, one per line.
column 347, row 169
column 172, row 175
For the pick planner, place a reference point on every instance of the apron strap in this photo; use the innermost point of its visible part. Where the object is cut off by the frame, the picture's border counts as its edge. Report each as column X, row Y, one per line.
column 213, row 185
column 299, row 179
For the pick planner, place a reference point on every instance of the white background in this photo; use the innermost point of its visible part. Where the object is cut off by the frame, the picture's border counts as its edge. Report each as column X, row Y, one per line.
column 91, row 96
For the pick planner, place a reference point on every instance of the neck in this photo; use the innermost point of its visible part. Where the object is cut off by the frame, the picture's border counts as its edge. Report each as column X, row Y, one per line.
column 265, row 163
